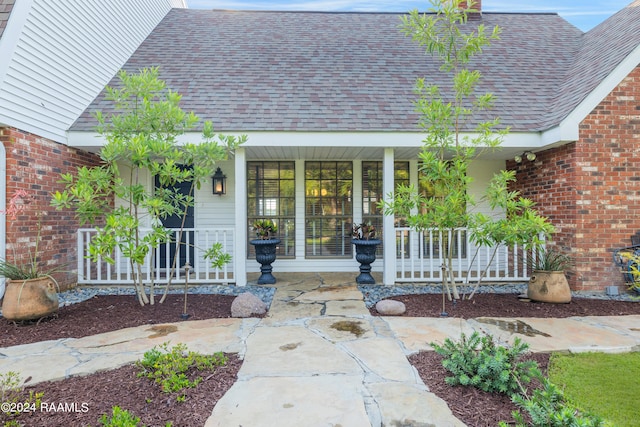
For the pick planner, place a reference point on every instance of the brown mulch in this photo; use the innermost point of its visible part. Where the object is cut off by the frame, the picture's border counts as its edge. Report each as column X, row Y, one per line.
column 112, row 312
column 474, row 407
column 100, row 391
column 89, row 397
column 509, row 305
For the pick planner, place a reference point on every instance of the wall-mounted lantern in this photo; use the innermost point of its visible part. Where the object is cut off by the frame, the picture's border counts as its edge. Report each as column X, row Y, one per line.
column 526, row 155
column 219, row 183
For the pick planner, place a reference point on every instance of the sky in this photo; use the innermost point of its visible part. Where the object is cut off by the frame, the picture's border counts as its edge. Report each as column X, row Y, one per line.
column 584, row 14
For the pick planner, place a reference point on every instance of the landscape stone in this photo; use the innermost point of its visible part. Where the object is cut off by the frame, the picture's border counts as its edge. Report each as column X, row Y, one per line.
column 246, row 305
column 389, row 307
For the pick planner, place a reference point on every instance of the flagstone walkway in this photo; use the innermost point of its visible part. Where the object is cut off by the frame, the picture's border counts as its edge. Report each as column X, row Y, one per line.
column 319, row 358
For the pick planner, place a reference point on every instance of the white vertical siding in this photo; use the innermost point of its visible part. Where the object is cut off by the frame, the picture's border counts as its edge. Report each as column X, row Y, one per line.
column 58, row 55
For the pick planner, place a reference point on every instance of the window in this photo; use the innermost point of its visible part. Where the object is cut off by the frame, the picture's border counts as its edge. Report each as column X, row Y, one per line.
column 271, row 194
column 459, row 240
column 329, row 207
column 372, row 192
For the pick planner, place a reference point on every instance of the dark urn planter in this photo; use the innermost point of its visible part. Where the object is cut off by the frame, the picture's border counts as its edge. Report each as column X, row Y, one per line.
column 365, row 255
column 265, row 255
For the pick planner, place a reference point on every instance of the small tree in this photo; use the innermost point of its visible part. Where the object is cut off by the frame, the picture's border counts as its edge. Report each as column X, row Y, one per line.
column 520, row 224
column 142, row 142
column 444, row 115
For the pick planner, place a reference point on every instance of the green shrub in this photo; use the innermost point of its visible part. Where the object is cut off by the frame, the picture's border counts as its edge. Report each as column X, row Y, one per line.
column 12, row 394
column 168, row 367
column 120, row 418
column 478, row 362
column 123, row 418
column 548, row 407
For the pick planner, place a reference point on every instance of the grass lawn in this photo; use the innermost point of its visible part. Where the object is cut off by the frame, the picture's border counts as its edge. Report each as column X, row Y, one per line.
column 604, row 384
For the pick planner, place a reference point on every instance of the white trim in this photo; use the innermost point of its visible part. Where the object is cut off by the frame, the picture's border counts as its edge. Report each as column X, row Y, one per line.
column 568, row 130
column 300, row 208
column 240, row 248
column 389, row 232
column 92, row 140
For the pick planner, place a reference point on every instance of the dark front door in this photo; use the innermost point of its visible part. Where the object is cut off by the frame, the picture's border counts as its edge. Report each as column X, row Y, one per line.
column 185, row 249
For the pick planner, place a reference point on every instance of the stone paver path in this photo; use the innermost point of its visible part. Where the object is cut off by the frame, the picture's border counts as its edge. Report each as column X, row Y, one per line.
column 319, row 358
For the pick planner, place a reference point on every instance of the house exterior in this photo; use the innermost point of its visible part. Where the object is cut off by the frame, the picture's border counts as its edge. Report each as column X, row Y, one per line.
column 326, row 102
column 56, row 57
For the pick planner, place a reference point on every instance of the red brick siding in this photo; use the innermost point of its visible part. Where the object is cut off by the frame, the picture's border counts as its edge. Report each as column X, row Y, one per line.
column 34, row 164
column 591, row 189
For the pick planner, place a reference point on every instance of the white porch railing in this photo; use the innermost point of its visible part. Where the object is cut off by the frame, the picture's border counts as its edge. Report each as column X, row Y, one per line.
column 197, row 239
column 420, row 256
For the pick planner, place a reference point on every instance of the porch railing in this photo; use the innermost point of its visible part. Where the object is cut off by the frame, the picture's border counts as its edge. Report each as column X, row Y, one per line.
column 420, row 256
column 158, row 264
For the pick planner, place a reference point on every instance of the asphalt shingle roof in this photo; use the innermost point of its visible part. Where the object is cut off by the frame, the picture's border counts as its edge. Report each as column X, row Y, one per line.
column 305, row 71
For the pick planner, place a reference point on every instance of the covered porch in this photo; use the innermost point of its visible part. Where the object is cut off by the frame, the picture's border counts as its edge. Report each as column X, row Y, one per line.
column 315, row 187
column 417, row 258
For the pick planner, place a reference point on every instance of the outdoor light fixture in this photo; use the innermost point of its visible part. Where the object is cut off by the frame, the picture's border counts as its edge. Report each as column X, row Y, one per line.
column 526, row 155
column 219, row 183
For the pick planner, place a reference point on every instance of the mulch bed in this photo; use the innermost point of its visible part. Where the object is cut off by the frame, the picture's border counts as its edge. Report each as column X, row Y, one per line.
column 143, row 398
column 107, row 313
column 470, row 405
column 509, row 305
column 87, row 398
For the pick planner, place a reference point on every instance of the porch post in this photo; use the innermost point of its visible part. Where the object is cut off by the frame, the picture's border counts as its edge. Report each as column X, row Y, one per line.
column 389, row 231
column 240, row 241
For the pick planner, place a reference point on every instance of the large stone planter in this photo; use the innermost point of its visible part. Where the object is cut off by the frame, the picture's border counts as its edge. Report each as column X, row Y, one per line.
column 366, row 255
column 265, row 255
column 549, row 286
column 30, row 299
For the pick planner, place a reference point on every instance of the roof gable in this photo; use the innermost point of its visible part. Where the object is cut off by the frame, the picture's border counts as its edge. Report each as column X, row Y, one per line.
column 601, row 50
column 279, row 71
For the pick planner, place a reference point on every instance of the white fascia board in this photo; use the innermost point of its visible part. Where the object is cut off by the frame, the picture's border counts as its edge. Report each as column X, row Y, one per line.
column 562, row 134
column 12, row 33
column 569, row 128
column 527, row 140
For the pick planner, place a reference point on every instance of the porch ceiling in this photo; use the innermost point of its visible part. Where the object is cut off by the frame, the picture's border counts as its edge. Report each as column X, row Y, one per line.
column 322, row 153
column 359, row 153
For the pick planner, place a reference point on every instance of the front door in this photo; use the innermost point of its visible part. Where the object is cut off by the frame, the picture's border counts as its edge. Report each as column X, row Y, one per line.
column 185, row 249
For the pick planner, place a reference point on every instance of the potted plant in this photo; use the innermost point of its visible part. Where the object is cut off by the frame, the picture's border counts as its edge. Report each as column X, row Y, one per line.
column 548, row 282
column 628, row 259
column 364, row 239
column 265, row 246
column 31, row 291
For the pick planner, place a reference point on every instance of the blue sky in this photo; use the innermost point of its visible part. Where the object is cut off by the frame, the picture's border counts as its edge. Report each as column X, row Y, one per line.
column 584, row 14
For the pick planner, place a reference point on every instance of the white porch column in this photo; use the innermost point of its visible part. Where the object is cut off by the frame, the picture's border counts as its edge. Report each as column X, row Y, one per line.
column 389, row 231
column 240, row 241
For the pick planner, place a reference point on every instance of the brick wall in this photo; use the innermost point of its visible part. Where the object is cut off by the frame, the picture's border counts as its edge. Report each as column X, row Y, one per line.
column 590, row 189
column 34, row 164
